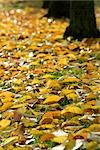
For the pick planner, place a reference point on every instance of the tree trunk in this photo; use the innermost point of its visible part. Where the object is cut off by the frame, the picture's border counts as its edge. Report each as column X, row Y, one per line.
column 58, row 9
column 82, row 20
column 46, row 4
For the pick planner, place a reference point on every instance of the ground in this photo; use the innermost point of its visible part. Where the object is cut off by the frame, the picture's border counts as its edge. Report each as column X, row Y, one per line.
column 49, row 87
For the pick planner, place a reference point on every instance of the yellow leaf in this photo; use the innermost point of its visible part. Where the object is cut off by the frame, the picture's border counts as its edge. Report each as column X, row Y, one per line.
column 36, row 81
column 59, row 139
column 94, row 128
column 24, row 98
column 46, row 126
column 91, row 145
column 18, row 105
column 72, row 109
column 41, row 55
column 1, row 72
column 72, row 123
column 52, row 99
column 34, row 63
column 10, row 45
column 5, row 106
column 44, row 90
column 17, row 54
column 71, row 79
column 24, row 68
column 53, row 84
column 6, row 94
column 96, row 107
column 28, row 122
column 71, row 56
column 36, row 132
column 70, row 144
column 72, row 96
column 47, row 76
column 1, row 148
column 7, row 99
column 4, row 123
column 62, row 61
column 17, row 81
column 10, row 139
column 67, row 91
column 7, row 115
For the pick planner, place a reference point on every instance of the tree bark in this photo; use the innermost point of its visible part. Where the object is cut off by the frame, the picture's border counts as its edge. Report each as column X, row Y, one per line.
column 58, row 9
column 82, row 20
column 46, row 4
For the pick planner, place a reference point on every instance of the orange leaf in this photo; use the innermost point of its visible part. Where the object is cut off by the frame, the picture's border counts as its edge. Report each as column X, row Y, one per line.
column 46, row 137
column 46, row 120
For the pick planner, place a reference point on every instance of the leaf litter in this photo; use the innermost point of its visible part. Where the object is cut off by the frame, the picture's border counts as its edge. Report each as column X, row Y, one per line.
column 49, row 87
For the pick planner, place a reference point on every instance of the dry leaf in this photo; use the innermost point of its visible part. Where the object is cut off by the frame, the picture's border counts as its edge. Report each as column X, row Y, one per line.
column 6, row 106
column 53, row 84
column 52, row 99
column 10, row 139
column 71, row 79
column 72, row 109
column 4, row 123
column 54, row 114
column 46, row 120
column 70, row 144
column 71, row 56
column 91, row 145
column 94, row 128
column 46, row 137
column 59, row 139
column 62, row 61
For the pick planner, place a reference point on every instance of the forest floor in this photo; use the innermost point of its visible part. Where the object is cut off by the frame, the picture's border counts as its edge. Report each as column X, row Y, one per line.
column 49, row 87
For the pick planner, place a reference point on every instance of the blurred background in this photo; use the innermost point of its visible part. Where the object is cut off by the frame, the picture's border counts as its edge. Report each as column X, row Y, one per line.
column 21, row 4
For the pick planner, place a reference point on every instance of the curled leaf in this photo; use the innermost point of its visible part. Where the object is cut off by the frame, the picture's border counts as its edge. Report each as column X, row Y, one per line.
column 46, row 120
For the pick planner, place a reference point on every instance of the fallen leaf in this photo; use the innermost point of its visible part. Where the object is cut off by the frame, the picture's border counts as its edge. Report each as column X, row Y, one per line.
column 94, row 128
column 52, row 99
column 71, row 56
column 10, row 139
column 72, row 109
column 4, row 123
column 91, row 145
column 6, row 106
column 53, row 84
column 46, row 120
column 59, row 139
column 46, row 137
column 71, row 79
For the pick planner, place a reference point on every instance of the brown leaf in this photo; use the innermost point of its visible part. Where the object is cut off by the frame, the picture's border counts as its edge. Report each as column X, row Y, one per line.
column 17, row 116
column 46, row 120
